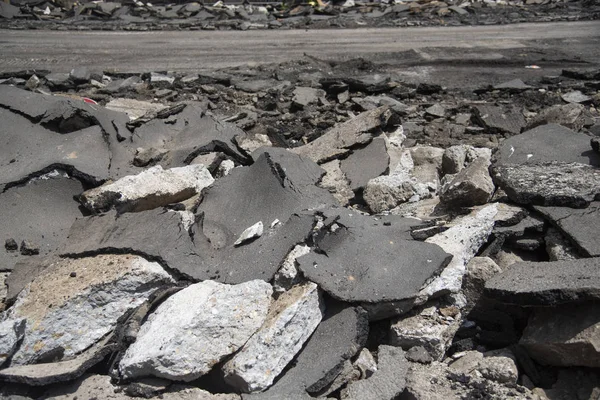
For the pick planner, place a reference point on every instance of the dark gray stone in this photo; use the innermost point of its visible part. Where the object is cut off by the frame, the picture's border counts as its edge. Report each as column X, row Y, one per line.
column 24, row 272
column 357, row 259
column 364, row 164
column 549, row 183
column 259, row 85
column 342, row 334
column 276, row 186
column 547, row 283
column 157, row 235
column 581, row 226
column 595, row 143
column 369, row 83
column 40, row 212
column 515, row 85
column 547, row 143
column 80, row 74
column 496, row 120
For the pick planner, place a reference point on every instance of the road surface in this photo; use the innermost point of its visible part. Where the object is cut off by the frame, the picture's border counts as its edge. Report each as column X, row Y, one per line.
column 422, row 52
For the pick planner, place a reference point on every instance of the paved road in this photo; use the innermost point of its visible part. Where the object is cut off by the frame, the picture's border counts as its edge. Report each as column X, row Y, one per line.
column 422, row 49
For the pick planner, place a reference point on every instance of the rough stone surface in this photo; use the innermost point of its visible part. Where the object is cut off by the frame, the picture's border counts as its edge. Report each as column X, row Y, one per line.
column 462, row 240
column 427, row 328
column 82, row 312
column 567, row 115
column 470, row 187
column 61, row 371
column 40, row 211
column 386, row 383
column 11, row 332
column 287, row 275
column 155, row 234
column 575, row 96
column 251, row 143
column 292, row 318
column 582, row 227
column 479, row 271
column 497, row 120
column 499, row 366
column 342, row 137
column 547, row 143
column 565, row 336
column 208, row 319
column 340, row 336
column 336, row 182
column 152, row 188
column 344, row 267
column 547, row 283
column 303, row 96
column 365, row 164
column 549, row 184
column 134, row 108
column 558, row 247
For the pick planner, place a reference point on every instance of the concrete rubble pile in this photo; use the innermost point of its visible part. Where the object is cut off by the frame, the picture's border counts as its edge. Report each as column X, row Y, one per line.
column 382, row 241
column 231, row 15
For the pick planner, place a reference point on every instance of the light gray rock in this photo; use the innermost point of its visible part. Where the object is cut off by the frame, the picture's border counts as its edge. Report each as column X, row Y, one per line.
column 558, row 247
column 479, row 271
column 303, row 96
column 251, row 143
column 455, row 158
column 156, row 78
column 339, row 139
column 470, row 187
column 386, row 383
column 499, row 366
column 252, row 232
column 427, row 328
column 436, row 110
column 287, row 275
column 463, row 241
column 11, row 332
column 134, row 108
column 292, row 319
column 94, row 293
column 575, row 96
column 336, row 182
column 549, row 184
column 564, row 336
column 568, row 115
column 152, row 188
column 195, row 329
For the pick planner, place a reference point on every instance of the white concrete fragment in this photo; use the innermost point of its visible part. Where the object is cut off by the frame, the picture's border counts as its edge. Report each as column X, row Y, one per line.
column 252, row 232
column 149, row 189
column 134, row 108
column 11, row 331
column 74, row 303
column 196, row 328
column 462, row 240
column 287, row 275
column 291, row 320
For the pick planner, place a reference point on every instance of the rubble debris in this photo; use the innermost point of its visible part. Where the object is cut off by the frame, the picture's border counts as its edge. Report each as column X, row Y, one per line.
column 386, row 383
column 580, row 226
column 463, row 240
column 134, row 108
column 575, row 97
column 222, row 319
column 495, row 119
column 291, row 320
column 470, row 187
column 342, row 263
column 365, row 164
column 545, row 283
column 80, row 314
column 549, row 183
column 152, row 188
column 339, row 140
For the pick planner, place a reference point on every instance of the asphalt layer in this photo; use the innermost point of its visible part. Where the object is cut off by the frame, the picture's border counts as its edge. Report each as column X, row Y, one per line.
column 446, row 55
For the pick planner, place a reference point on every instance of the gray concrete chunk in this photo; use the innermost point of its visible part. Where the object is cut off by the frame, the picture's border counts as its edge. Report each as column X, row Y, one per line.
column 547, row 283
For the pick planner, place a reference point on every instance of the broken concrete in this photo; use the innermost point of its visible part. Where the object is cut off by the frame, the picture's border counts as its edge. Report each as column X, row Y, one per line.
column 470, row 187
column 564, row 336
column 222, row 319
column 291, row 320
column 546, row 283
column 339, row 140
column 150, row 189
column 81, row 313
